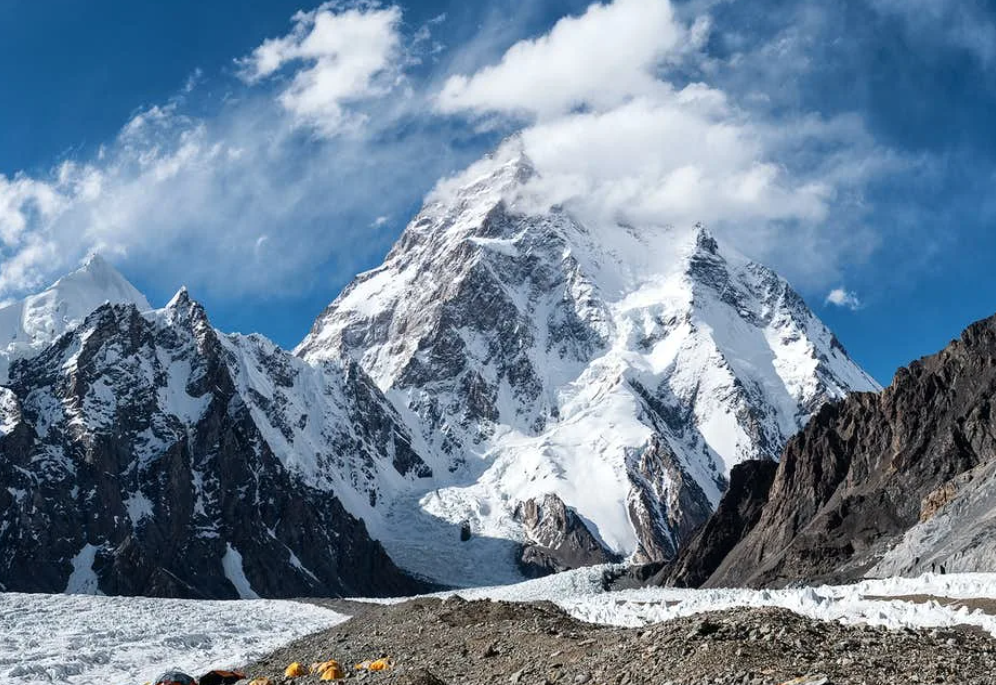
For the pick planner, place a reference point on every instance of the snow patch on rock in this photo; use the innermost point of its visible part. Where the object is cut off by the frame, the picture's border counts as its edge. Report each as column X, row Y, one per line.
column 236, row 574
column 10, row 411
column 83, row 580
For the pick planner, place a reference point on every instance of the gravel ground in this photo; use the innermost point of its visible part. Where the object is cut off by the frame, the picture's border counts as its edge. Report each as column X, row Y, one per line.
column 455, row 642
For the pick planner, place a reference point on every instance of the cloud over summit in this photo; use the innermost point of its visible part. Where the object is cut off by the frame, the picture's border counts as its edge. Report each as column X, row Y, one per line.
column 618, row 131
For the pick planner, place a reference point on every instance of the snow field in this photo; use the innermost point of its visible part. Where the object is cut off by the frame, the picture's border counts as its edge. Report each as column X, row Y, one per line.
column 80, row 639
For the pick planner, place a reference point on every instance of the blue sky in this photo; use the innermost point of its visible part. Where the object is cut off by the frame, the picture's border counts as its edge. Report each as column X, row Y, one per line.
column 174, row 139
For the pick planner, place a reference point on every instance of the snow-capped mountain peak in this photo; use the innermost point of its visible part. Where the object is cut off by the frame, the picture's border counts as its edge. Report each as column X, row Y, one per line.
column 180, row 299
column 139, row 433
column 28, row 326
column 623, row 368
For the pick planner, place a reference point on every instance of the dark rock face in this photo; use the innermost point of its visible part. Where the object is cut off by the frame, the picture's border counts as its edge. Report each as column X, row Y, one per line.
column 664, row 518
column 868, row 469
column 132, row 466
column 558, row 539
column 738, row 512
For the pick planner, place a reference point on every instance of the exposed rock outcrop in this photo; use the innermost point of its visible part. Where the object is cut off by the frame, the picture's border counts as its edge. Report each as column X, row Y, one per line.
column 884, row 478
column 737, row 514
column 557, row 539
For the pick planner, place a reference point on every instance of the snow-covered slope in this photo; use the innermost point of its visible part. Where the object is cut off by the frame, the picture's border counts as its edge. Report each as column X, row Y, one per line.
column 623, row 368
column 28, row 326
column 327, row 423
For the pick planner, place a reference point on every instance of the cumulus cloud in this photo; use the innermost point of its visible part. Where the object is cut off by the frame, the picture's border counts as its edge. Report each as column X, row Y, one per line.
column 596, row 60
column 841, row 297
column 678, row 159
column 348, row 56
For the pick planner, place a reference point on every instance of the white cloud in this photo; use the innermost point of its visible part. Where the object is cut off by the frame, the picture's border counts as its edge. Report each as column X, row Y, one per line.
column 248, row 200
column 596, row 60
column 243, row 200
column 615, row 139
column 349, row 55
column 841, row 297
column 21, row 199
column 678, row 159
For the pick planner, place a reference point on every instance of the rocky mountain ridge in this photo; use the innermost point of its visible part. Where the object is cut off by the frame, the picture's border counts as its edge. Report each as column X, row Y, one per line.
column 136, row 462
column 893, row 483
column 516, row 389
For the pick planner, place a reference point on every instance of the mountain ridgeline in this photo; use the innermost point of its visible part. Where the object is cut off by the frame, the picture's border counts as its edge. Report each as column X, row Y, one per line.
column 515, row 391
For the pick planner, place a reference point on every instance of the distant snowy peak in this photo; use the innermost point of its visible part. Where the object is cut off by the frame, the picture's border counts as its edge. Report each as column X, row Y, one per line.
column 28, row 326
column 540, row 351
